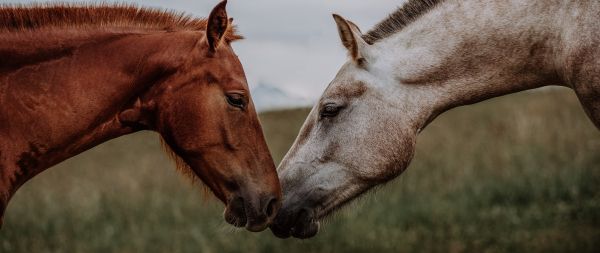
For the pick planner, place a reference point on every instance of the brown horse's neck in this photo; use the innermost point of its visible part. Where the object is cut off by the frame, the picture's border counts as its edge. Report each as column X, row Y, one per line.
column 62, row 96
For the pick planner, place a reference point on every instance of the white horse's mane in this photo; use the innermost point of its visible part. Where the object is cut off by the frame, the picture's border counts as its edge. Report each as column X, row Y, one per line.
column 405, row 15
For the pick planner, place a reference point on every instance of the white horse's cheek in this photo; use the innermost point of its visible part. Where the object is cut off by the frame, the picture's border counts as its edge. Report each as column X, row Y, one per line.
column 328, row 178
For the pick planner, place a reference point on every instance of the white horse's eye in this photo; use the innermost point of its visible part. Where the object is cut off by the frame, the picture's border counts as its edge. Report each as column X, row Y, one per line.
column 330, row 110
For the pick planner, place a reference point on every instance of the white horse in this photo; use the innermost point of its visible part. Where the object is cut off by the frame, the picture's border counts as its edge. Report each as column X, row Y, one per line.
column 426, row 58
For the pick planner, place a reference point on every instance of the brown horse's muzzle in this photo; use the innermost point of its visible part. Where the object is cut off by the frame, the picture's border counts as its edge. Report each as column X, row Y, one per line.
column 255, row 212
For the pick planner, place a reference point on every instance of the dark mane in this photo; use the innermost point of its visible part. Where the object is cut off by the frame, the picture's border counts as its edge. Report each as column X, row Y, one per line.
column 52, row 15
column 405, row 15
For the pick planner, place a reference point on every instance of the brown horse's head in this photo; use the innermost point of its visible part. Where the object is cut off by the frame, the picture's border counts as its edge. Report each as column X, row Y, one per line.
column 206, row 116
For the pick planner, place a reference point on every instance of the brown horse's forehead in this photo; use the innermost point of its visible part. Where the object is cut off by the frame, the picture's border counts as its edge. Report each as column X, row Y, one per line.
column 223, row 69
column 230, row 72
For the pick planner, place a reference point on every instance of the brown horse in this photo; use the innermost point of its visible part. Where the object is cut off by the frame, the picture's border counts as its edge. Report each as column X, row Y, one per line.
column 72, row 77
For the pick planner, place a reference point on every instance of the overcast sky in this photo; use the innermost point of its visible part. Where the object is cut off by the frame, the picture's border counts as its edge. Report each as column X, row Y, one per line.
column 290, row 44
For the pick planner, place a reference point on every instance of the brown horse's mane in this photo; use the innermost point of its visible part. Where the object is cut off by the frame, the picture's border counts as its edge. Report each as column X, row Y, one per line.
column 402, row 17
column 64, row 15
column 182, row 167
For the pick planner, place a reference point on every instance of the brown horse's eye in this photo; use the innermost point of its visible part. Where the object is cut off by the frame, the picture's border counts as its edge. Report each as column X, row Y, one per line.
column 330, row 110
column 236, row 100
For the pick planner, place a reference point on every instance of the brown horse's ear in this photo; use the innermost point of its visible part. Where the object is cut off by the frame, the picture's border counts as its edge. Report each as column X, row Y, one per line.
column 217, row 25
column 351, row 38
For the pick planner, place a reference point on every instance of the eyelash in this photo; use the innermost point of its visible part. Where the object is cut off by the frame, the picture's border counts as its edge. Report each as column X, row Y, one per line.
column 330, row 111
column 236, row 100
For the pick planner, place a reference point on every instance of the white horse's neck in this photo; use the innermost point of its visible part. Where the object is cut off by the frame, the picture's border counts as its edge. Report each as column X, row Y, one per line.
column 466, row 51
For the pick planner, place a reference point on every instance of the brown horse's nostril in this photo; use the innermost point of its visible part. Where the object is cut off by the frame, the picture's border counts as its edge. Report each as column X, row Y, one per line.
column 271, row 207
column 261, row 212
column 235, row 212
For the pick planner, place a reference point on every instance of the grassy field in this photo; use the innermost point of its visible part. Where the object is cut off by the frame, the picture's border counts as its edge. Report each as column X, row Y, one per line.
column 515, row 174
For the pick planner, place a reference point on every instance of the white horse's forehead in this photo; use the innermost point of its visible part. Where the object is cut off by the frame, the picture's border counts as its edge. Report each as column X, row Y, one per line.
column 348, row 75
column 351, row 75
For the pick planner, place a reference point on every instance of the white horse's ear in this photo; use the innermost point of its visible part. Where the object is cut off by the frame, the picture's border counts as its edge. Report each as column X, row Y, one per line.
column 351, row 38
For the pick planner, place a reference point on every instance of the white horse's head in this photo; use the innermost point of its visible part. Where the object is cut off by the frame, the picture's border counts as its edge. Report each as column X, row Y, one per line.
column 361, row 133
column 426, row 58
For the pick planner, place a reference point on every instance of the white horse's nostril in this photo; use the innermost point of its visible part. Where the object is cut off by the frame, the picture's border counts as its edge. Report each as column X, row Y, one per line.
column 271, row 208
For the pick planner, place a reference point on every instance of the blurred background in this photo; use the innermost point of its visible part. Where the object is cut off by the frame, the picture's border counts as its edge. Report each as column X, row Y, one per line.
column 514, row 174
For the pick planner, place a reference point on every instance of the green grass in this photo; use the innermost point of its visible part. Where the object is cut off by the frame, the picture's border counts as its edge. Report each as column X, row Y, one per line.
column 515, row 174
